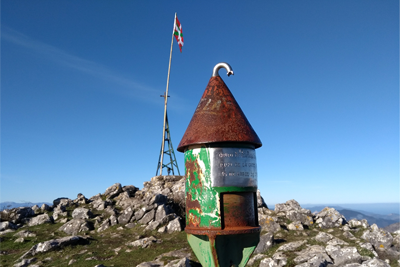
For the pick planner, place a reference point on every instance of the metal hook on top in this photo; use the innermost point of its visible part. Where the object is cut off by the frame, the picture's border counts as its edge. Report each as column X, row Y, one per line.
column 222, row 65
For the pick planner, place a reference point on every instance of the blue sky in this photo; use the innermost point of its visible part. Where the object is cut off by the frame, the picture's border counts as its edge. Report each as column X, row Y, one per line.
column 318, row 80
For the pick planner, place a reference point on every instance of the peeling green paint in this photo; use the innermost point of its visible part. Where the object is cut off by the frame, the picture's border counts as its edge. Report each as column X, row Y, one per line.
column 199, row 189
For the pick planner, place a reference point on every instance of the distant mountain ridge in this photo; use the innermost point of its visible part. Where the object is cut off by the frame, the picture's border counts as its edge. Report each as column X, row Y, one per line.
column 11, row 205
column 379, row 219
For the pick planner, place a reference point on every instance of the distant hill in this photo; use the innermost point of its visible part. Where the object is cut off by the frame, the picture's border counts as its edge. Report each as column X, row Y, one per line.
column 393, row 227
column 378, row 219
column 11, row 205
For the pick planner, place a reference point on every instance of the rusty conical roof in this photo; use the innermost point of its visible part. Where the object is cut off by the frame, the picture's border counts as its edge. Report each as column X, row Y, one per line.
column 218, row 118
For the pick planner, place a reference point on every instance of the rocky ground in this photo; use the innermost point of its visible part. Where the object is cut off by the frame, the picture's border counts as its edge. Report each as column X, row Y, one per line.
column 125, row 226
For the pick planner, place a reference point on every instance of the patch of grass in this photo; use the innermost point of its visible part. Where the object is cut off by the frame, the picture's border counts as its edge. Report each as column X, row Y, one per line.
column 365, row 252
column 101, row 247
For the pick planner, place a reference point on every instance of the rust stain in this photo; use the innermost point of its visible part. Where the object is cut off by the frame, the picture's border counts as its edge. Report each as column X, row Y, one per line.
column 193, row 167
column 218, row 118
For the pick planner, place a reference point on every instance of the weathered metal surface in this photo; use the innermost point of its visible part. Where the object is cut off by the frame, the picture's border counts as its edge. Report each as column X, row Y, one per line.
column 202, row 201
column 218, row 118
column 238, row 210
column 227, row 250
column 221, row 179
column 233, row 166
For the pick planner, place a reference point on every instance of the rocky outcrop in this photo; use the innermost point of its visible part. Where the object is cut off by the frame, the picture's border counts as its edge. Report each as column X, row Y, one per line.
column 295, row 235
column 54, row 244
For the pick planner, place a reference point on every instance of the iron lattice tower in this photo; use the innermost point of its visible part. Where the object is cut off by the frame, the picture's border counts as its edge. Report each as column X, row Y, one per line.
column 168, row 151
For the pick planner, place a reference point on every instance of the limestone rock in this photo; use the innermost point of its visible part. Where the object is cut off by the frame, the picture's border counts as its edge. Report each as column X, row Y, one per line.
column 25, row 233
column 130, row 190
column 329, row 218
column 58, row 213
column 260, row 200
column 126, row 216
column 151, row 264
column 40, row 219
column 17, row 215
column 293, row 211
column 81, row 199
column 82, row 213
column 312, row 256
column 280, row 258
column 7, row 225
column 268, row 262
column 162, row 211
column 269, row 223
column 113, row 190
column 344, row 255
column 296, row 226
column 379, row 238
column 152, row 226
column 255, row 258
column 75, row 226
column 54, row 244
column 174, row 225
column 149, row 216
column 266, row 242
column 144, row 242
column 184, row 262
column 113, row 220
column 375, row 262
column 64, row 201
column 45, row 207
column 99, row 204
column 292, row 245
column 25, row 262
column 105, row 225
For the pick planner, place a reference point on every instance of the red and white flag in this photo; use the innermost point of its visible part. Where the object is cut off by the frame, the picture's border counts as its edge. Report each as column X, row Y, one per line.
column 178, row 33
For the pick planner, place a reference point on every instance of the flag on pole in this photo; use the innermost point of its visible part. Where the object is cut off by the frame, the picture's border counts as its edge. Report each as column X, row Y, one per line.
column 178, row 33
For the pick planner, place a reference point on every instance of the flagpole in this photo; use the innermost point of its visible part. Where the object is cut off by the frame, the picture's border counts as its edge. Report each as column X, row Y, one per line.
column 166, row 98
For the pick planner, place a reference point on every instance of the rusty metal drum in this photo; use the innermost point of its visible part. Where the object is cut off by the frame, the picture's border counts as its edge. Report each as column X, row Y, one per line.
column 221, row 178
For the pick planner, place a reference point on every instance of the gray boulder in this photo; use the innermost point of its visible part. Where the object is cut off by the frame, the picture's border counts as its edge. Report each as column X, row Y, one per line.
column 54, row 244
column 266, row 242
column 149, row 216
column 260, row 201
column 130, row 190
column 269, row 223
column 162, row 211
column 329, row 218
column 151, row 264
column 344, row 255
column 45, row 207
column 294, row 212
column 375, row 262
column 75, row 226
column 40, row 219
column 105, row 225
column 184, row 262
column 113, row 190
column 312, row 256
column 174, row 225
column 354, row 223
column 113, row 220
column 61, row 200
column 25, row 262
column 17, row 215
column 7, row 225
column 268, row 262
column 292, row 245
column 126, row 216
column 81, row 199
column 295, row 226
column 144, row 242
column 82, row 213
